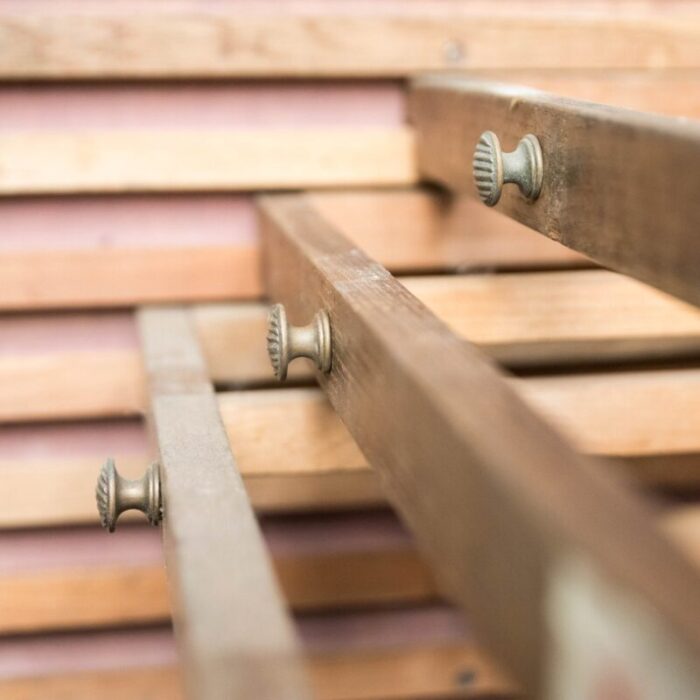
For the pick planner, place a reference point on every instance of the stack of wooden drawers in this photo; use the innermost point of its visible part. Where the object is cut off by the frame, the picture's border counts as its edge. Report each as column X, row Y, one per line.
column 167, row 169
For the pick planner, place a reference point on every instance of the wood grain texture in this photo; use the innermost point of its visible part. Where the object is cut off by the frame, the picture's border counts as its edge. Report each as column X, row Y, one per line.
column 521, row 320
column 611, row 177
column 69, row 385
column 381, row 674
column 105, row 262
column 214, row 160
column 88, row 278
column 675, row 93
column 295, row 454
column 187, row 40
column 233, row 632
column 114, row 596
column 406, row 410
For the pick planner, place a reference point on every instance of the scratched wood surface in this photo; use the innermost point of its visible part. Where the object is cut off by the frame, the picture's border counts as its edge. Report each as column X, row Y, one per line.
column 233, row 632
column 611, row 180
column 406, row 411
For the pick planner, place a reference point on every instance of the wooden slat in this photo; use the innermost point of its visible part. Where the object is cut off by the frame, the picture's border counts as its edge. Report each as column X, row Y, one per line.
column 612, row 178
column 187, row 40
column 234, row 636
column 71, row 384
column 529, row 521
column 522, row 320
column 294, row 453
column 407, row 230
column 79, row 598
column 152, row 161
column 103, row 277
column 454, row 671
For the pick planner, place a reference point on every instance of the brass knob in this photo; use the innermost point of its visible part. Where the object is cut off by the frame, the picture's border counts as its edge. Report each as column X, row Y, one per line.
column 114, row 495
column 285, row 342
column 493, row 168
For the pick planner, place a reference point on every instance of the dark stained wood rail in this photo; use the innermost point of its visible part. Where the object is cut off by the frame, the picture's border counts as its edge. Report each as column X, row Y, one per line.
column 512, row 519
column 619, row 186
column 235, row 639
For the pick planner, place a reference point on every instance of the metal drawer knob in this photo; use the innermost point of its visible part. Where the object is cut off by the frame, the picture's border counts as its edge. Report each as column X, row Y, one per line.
column 285, row 342
column 493, row 168
column 114, row 495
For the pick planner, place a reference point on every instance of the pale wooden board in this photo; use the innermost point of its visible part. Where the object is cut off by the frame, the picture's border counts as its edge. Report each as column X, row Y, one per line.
column 71, row 384
column 233, row 632
column 412, row 394
column 92, row 40
column 408, row 230
column 63, row 598
column 295, row 454
column 523, row 320
column 601, row 195
column 206, row 160
column 381, row 674
column 113, row 277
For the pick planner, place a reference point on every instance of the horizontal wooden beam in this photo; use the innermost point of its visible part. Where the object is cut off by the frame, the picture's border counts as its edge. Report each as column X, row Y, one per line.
column 408, row 230
column 610, row 177
column 542, row 523
column 522, row 320
column 95, row 597
column 233, row 632
column 455, row 671
column 332, row 39
column 295, row 454
column 165, row 160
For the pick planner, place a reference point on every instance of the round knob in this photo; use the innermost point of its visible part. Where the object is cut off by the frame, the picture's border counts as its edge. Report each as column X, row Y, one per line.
column 493, row 168
column 285, row 342
column 114, row 495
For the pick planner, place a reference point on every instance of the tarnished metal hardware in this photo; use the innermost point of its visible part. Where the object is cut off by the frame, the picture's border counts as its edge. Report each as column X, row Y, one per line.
column 285, row 342
column 492, row 168
column 114, row 495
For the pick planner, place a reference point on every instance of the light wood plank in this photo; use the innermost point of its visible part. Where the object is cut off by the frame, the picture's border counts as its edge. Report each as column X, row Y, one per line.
column 505, row 478
column 405, row 229
column 187, row 40
column 67, row 385
column 101, row 596
column 114, row 277
column 601, row 195
column 521, row 320
column 294, row 454
column 395, row 674
column 234, row 636
column 153, row 161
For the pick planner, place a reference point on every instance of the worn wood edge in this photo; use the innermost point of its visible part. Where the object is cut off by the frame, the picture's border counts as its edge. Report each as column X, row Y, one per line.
column 555, row 535
column 190, row 161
